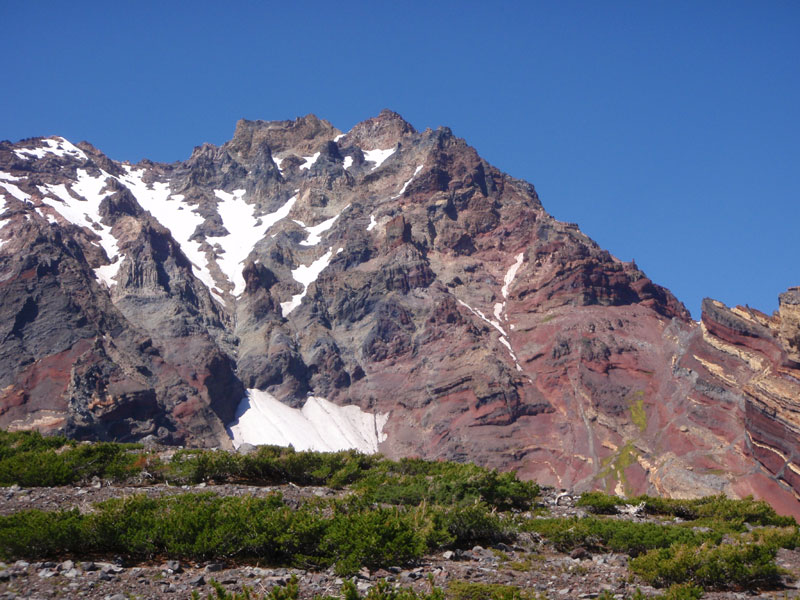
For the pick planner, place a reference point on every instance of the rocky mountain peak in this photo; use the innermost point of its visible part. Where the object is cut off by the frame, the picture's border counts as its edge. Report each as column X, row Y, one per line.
column 382, row 288
column 381, row 132
column 301, row 136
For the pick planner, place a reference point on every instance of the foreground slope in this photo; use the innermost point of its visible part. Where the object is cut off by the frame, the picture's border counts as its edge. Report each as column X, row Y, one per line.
column 388, row 271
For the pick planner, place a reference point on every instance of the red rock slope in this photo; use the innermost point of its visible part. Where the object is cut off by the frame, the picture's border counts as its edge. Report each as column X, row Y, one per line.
column 386, row 268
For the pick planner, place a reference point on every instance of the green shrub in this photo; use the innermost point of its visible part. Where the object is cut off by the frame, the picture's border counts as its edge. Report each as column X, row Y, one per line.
column 269, row 465
column 348, row 533
column 129, row 526
column 412, row 481
column 719, row 508
column 382, row 591
column 38, row 533
column 629, row 537
column 683, row 591
column 600, row 503
column 677, row 591
column 372, row 538
column 30, row 459
column 290, row 591
column 747, row 510
column 29, row 441
column 475, row 524
column 777, row 537
column 386, row 591
column 465, row 590
column 730, row 565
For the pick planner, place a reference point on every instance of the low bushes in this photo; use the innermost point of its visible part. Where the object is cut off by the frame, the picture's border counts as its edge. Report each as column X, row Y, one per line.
column 29, row 459
column 677, row 591
column 600, row 503
column 629, row 537
column 291, row 591
column 719, row 508
column 348, row 533
column 405, row 482
column 411, row 481
column 465, row 590
column 267, row 465
column 718, row 549
column 456, row 590
column 397, row 512
column 731, row 565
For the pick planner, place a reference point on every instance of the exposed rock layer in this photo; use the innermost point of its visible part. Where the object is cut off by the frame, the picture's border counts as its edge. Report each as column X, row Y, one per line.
column 387, row 268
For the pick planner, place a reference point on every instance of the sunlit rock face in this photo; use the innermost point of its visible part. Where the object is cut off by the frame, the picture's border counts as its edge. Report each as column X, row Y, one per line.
column 393, row 274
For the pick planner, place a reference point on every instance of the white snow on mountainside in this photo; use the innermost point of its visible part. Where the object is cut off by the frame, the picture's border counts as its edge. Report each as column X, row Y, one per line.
column 55, row 145
column 320, row 425
column 378, row 156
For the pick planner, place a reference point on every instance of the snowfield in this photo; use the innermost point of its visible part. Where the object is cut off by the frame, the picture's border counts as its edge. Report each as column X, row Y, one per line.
column 55, row 145
column 320, row 425
column 306, row 275
column 378, row 156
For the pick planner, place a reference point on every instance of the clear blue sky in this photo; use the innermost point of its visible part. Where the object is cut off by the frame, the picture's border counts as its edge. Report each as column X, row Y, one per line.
column 669, row 131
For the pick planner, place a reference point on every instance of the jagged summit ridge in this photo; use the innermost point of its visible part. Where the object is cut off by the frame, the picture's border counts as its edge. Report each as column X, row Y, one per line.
column 384, row 270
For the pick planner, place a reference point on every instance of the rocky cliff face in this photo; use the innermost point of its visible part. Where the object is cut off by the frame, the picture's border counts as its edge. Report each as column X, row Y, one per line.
column 751, row 359
column 386, row 270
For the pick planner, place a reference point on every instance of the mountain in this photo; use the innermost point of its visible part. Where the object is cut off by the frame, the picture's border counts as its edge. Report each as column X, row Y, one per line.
column 382, row 289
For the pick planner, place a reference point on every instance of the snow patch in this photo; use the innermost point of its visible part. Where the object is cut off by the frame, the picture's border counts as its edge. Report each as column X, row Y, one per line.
column 348, row 162
column 244, row 232
column 2, row 210
column 500, row 307
column 283, row 212
column 496, row 325
column 107, row 273
column 477, row 312
column 511, row 273
column 86, row 213
column 378, row 156
column 372, row 223
column 15, row 191
column 306, row 275
column 405, row 185
column 315, row 232
column 309, row 161
column 507, row 344
column 498, row 310
column 320, row 425
column 56, row 145
column 9, row 177
column 338, row 137
column 170, row 212
column 237, row 217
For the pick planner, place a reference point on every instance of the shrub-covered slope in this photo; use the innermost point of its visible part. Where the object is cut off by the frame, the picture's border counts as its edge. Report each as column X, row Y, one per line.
column 476, row 533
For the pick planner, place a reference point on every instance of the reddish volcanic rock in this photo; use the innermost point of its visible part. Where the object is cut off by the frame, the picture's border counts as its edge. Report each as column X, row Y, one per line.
column 386, row 268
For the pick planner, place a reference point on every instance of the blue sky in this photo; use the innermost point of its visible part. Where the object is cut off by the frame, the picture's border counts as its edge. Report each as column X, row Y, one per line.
column 669, row 131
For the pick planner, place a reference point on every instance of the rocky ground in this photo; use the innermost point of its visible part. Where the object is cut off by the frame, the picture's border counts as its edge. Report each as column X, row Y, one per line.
column 529, row 563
